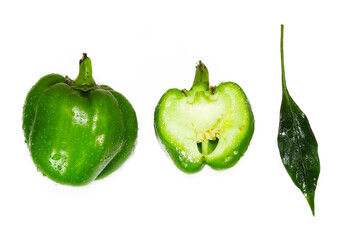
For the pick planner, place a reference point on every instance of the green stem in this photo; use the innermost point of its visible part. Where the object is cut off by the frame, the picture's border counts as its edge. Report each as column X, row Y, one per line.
column 205, row 147
column 201, row 76
column 85, row 80
column 282, row 59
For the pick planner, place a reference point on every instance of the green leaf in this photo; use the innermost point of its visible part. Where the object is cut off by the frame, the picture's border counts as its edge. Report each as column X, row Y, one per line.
column 296, row 141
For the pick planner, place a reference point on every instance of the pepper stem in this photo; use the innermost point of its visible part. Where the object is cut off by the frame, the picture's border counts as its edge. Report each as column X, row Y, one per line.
column 85, row 80
column 201, row 76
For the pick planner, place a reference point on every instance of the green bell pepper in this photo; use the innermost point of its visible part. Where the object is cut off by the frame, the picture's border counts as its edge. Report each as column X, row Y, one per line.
column 205, row 125
column 78, row 131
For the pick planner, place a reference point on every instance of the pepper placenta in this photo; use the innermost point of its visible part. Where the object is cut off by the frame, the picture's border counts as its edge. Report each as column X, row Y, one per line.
column 296, row 141
column 205, row 125
column 78, row 131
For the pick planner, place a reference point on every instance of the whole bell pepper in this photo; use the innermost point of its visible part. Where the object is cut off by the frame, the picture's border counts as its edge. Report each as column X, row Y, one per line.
column 205, row 125
column 78, row 131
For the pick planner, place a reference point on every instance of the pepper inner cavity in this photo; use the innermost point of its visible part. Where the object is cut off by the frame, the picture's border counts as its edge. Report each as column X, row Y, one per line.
column 207, row 141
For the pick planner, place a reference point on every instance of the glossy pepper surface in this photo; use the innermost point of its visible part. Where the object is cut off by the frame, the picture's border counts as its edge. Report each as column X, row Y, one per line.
column 78, row 131
column 205, row 125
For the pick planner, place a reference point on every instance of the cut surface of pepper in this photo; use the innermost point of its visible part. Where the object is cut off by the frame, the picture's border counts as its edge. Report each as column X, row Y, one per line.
column 204, row 125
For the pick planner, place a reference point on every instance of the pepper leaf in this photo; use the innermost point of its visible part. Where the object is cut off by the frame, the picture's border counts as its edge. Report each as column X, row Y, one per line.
column 296, row 141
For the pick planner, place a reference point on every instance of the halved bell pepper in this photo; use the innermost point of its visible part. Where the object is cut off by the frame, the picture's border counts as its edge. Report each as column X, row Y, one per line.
column 78, row 131
column 205, row 125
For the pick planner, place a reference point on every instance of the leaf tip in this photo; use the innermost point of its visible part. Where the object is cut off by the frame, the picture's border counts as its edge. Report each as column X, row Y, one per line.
column 311, row 200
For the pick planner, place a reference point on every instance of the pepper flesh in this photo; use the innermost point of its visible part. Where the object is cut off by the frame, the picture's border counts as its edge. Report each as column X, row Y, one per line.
column 205, row 125
column 78, row 131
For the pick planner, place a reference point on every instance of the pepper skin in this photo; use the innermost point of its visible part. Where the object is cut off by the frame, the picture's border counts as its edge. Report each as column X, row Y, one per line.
column 205, row 125
column 78, row 131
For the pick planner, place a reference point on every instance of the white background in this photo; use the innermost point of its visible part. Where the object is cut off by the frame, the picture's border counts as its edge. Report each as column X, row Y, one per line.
column 141, row 49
